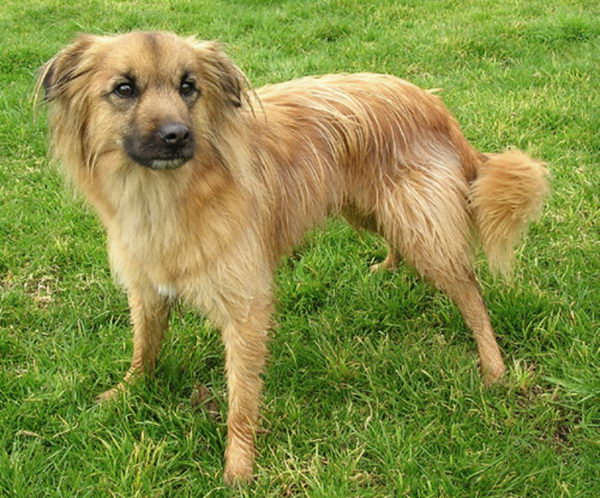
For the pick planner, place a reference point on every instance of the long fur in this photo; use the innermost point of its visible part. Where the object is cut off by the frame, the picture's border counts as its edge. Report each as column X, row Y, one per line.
column 508, row 193
column 270, row 165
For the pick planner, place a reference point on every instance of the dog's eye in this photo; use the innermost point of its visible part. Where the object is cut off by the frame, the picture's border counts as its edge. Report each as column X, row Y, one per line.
column 125, row 90
column 187, row 88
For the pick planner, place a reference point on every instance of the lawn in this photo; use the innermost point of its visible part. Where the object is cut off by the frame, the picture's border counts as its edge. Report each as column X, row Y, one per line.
column 372, row 387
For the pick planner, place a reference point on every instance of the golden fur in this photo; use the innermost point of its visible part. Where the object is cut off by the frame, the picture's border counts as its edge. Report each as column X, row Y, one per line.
column 268, row 166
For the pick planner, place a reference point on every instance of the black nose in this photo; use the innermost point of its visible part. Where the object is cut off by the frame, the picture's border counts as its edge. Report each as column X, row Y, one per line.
column 174, row 134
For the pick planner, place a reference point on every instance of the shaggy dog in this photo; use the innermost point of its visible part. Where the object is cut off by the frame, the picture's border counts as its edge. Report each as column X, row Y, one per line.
column 203, row 185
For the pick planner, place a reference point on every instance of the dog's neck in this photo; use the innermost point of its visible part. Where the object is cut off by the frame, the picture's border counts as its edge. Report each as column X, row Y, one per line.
column 150, row 212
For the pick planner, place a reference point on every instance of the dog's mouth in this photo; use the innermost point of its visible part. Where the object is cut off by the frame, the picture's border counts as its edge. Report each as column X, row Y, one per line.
column 159, row 164
column 169, row 147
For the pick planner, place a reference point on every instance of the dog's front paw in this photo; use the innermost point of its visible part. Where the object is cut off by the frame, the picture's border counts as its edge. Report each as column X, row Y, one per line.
column 238, row 475
column 238, row 467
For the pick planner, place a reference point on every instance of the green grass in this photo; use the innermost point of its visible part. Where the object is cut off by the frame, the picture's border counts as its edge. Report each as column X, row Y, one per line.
column 372, row 387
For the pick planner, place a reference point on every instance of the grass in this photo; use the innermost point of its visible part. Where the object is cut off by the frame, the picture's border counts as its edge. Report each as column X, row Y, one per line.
column 372, row 388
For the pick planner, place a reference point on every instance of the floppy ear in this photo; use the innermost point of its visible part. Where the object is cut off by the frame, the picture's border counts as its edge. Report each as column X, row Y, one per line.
column 56, row 74
column 222, row 72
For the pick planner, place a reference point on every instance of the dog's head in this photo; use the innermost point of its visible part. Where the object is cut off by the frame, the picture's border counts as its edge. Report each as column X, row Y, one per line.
column 150, row 96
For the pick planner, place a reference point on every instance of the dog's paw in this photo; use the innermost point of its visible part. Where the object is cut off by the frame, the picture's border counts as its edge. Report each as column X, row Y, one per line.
column 493, row 374
column 239, row 462
column 238, row 474
column 111, row 394
column 377, row 267
column 389, row 263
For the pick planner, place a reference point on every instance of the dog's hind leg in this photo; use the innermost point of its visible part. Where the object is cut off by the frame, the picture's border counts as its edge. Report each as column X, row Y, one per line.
column 428, row 221
column 389, row 263
column 465, row 293
column 150, row 317
column 369, row 223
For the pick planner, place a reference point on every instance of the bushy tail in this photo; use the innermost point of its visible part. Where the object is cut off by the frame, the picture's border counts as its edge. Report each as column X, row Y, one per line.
column 508, row 193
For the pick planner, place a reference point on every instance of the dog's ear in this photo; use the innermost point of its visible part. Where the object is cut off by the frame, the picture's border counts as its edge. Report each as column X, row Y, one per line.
column 222, row 72
column 66, row 66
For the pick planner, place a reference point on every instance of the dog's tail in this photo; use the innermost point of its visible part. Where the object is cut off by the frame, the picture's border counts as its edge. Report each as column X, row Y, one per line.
column 507, row 194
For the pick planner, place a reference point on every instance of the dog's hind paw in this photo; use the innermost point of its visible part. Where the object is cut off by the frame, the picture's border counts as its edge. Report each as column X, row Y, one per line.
column 111, row 394
column 389, row 263
column 493, row 374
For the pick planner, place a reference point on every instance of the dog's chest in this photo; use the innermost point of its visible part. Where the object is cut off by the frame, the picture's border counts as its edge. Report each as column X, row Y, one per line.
column 166, row 290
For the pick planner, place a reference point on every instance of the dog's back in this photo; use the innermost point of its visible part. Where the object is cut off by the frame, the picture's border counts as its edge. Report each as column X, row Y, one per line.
column 346, row 142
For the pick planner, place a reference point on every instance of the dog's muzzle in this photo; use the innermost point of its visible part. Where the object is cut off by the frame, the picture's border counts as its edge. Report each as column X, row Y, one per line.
column 170, row 146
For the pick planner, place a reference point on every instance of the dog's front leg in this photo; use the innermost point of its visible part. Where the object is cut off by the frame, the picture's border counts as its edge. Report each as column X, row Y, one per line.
column 150, row 317
column 245, row 356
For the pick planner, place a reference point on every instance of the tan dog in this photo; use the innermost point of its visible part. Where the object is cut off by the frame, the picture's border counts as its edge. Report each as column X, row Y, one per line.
column 202, row 187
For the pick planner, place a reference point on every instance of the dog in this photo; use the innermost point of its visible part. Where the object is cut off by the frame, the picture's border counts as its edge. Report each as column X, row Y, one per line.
column 203, row 184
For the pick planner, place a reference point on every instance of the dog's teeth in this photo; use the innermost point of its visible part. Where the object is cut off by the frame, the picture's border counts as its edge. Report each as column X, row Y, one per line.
column 167, row 164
